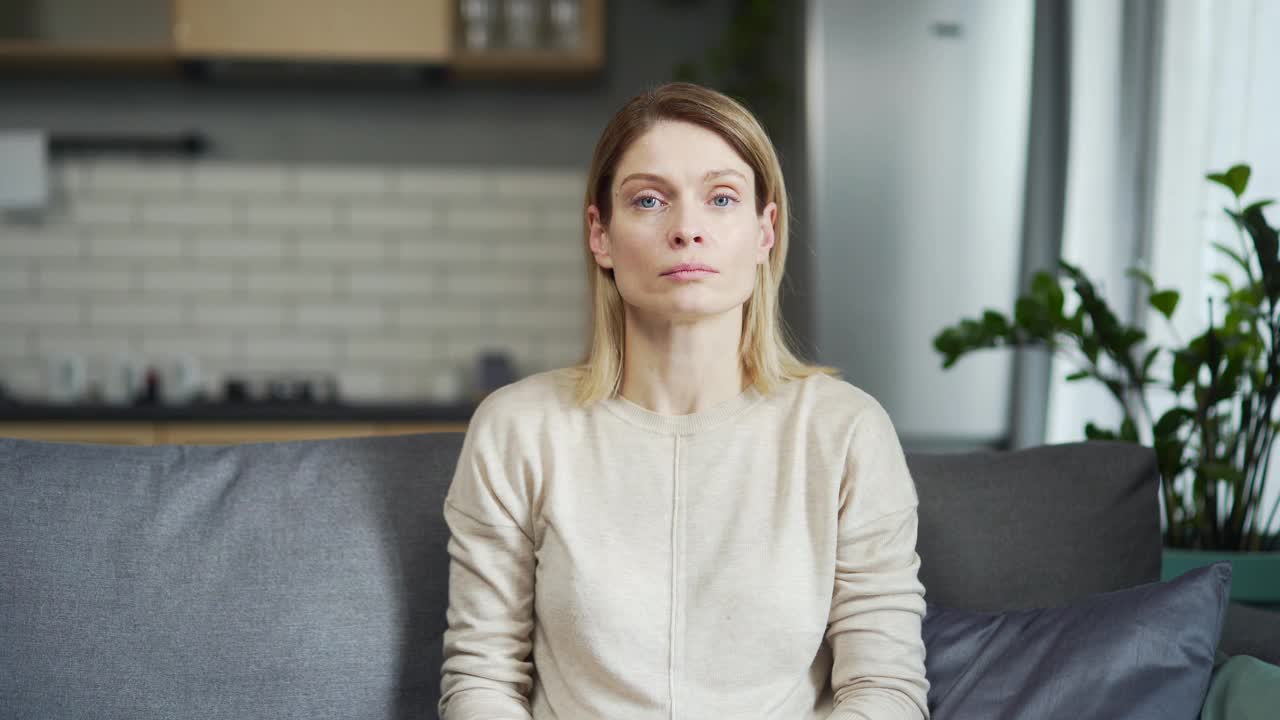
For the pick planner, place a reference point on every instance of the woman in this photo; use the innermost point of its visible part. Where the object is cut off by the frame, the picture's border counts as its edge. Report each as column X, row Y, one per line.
column 691, row 523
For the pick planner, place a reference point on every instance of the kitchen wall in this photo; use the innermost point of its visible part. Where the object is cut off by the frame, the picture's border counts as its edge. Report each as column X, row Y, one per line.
column 383, row 226
column 388, row 277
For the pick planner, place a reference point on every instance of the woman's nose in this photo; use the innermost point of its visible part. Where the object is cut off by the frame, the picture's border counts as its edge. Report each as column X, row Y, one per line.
column 687, row 229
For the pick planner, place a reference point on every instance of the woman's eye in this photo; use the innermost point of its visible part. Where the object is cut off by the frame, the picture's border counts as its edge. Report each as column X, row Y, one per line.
column 643, row 198
column 729, row 200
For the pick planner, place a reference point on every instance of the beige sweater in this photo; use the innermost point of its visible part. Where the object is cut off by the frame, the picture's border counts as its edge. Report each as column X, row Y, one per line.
column 753, row 560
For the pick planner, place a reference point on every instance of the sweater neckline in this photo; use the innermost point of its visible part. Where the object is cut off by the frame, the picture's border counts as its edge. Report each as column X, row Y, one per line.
column 687, row 424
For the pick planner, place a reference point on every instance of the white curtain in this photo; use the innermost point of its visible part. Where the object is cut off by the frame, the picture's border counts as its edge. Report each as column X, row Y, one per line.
column 1216, row 103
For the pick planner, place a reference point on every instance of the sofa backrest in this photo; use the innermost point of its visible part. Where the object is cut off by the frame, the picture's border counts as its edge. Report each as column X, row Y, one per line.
column 309, row 579
column 1037, row 527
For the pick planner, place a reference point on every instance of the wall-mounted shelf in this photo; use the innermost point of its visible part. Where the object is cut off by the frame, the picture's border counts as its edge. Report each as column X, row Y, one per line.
column 169, row 35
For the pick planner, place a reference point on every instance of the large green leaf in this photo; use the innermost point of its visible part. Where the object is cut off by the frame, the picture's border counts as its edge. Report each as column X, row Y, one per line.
column 1267, row 244
column 1237, row 257
column 1184, row 370
column 1236, row 179
column 1093, row 432
column 1172, row 421
column 1032, row 315
column 1165, row 301
column 1257, row 206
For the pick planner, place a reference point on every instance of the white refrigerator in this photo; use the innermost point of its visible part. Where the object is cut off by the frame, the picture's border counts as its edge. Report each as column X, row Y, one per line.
column 917, row 116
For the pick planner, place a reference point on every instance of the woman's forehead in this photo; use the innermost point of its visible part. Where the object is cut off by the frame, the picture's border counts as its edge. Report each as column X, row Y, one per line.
column 681, row 151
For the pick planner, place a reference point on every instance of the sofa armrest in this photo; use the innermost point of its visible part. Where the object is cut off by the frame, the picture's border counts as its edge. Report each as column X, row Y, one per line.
column 1251, row 631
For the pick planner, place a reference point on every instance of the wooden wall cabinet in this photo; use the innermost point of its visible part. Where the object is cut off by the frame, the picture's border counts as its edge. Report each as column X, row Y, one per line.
column 92, row 35
column 409, row 31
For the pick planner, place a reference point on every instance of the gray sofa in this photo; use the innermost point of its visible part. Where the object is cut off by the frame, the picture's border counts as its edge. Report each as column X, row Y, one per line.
column 308, row 579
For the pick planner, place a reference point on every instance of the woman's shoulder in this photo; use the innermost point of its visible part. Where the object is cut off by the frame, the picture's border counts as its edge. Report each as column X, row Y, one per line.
column 836, row 398
column 538, row 394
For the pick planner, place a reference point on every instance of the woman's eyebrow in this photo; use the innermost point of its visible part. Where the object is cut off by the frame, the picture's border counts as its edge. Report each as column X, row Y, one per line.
column 711, row 175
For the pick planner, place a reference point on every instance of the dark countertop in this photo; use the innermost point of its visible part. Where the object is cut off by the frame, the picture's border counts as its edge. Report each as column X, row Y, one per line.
column 240, row 412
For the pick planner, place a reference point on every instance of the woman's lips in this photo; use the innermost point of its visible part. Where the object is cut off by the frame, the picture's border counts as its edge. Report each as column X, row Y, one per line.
column 689, row 274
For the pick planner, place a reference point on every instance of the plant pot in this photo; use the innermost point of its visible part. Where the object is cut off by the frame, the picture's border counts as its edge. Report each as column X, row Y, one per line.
column 1255, row 576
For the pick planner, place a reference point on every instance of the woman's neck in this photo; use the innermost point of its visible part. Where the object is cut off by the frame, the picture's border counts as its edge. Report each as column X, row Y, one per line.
column 682, row 368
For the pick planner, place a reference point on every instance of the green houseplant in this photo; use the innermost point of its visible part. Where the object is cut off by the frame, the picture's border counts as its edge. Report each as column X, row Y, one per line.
column 1213, row 442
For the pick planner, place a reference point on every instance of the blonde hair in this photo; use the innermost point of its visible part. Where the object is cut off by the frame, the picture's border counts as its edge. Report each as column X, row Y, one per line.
column 765, row 343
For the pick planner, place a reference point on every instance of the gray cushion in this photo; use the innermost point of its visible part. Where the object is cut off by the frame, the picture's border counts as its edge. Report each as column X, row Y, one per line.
column 282, row 580
column 1252, row 631
column 1037, row 527
column 1146, row 653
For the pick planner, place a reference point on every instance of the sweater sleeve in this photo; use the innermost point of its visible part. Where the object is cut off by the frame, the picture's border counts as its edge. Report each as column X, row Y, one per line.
column 487, row 672
column 877, row 604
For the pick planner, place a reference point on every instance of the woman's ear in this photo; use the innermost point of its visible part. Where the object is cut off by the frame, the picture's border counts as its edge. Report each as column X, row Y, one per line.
column 598, row 238
column 767, row 236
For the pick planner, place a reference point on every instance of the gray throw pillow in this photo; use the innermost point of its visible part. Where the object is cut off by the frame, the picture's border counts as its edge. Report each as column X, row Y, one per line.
column 1142, row 653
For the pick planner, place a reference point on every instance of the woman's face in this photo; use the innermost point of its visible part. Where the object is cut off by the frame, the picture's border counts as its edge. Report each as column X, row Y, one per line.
column 682, row 196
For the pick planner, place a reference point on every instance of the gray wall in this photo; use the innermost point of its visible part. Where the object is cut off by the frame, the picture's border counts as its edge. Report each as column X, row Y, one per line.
column 397, row 120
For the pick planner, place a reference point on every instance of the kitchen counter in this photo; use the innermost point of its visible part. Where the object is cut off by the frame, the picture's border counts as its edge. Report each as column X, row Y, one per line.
column 236, row 412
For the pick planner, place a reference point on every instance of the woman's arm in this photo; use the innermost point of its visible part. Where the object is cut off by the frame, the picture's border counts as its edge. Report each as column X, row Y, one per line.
column 877, row 604
column 487, row 672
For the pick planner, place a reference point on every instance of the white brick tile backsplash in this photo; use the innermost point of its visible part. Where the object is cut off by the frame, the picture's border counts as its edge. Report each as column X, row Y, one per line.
column 343, row 181
column 61, row 279
column 15, row 345
column 374, row 283
column 343, row 249
column 541, row 320
column 218, row 312
column 15, row 278
column 171, row 280
column 475, row 248
column 256, row 181
column 464, row 349
column 566, row 220
column 330, row 315
column 98, row 342
column 569, row 187
column 24, row 378
column 209, row 346
column 364, row 385
column 561, row 290
column 207, row 213
column 134, row 314
column 495, row 283
column 443, row 182
column 529, row 251
column 406, row 216
column 134, row 245
column 495, row 217
column 56, row 242
column 229, row 245
column 433, row 316
column 134, row 178
column 385, row 275
column 72, row 177
column 559, row 353
column 99, row 213
column 283, row 283
column 398, row 351
column 314, row 351
column 297, row 215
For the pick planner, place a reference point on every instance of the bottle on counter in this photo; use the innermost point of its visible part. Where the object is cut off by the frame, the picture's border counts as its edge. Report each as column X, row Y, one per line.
column 124, row 381
column 67, row 378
